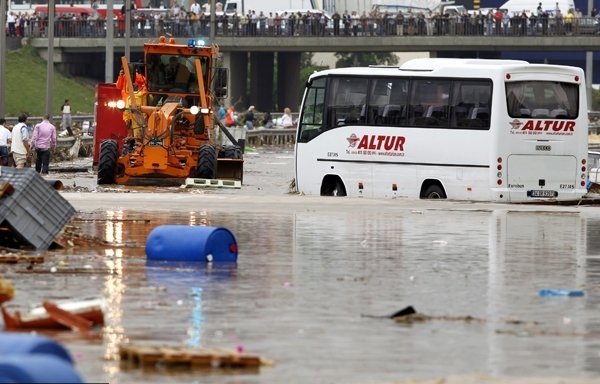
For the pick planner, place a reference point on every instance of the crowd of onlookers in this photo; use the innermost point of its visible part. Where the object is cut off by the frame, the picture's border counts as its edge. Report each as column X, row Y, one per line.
column 180, row 22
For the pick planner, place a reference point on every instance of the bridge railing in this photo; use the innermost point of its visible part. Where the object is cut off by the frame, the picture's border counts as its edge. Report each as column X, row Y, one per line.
column 473, row 25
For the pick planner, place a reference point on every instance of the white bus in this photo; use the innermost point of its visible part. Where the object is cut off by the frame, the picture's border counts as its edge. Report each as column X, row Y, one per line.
column 462, row 129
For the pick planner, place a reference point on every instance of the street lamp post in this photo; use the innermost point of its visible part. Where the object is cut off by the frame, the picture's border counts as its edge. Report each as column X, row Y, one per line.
column 2, row 55
column 50, row 62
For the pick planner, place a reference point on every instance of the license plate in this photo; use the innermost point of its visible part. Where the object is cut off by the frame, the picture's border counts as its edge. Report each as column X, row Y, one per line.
column 542, row 193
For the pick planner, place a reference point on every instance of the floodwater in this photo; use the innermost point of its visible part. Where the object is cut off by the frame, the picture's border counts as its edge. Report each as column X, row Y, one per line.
column 316, row 281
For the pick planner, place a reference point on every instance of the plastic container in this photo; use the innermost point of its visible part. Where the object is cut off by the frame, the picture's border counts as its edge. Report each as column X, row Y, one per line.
column 27, row 344
column 560, row 292
column 191, row 243
column 36, row 369
column 35, row 211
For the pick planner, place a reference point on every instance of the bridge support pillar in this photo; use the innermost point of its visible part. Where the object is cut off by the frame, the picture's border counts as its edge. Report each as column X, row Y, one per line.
column 237, row 62
column 261, row 80
column 288, row 81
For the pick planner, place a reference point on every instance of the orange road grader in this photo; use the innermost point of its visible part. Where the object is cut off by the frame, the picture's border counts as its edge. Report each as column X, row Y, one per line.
column 167, row 108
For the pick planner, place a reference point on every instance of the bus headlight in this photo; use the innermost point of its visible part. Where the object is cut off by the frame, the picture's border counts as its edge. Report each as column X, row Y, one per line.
column 204, row 111
column 121, row 104
column 194, row 110
column 111, row 104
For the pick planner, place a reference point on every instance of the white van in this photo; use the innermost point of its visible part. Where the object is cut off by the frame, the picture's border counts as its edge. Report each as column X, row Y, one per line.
column 516, row 7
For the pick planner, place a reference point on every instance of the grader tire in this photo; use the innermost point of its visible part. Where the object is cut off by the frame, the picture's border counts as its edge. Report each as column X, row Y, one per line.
column 107, row 165
column 207, row 162
column 231, row 152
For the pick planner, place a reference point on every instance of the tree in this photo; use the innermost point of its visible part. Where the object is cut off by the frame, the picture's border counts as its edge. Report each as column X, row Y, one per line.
column 363, row 59
column 307, row 68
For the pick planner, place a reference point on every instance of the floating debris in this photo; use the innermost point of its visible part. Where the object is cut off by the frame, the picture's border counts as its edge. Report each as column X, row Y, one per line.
column 148, row 356
column 77, row 315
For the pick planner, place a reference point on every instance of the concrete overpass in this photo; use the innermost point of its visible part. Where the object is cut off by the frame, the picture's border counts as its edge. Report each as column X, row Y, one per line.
column 258, row 57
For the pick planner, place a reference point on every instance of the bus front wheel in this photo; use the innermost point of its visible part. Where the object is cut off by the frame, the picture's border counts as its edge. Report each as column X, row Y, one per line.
column 333, row 186
column 434, row 192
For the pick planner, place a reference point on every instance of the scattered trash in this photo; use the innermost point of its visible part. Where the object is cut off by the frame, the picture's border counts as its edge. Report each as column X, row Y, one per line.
column 147, row 356
column 12, row 258
column 560, row 293
column 191, row 243
column 77, row 315
column 34, row 212
column 409, row 315
column 404, row 312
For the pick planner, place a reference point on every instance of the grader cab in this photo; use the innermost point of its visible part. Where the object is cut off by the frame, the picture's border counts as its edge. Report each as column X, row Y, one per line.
column 170, row 119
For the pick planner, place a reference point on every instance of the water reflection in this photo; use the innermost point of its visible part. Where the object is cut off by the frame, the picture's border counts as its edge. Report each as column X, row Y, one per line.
column 305, row 280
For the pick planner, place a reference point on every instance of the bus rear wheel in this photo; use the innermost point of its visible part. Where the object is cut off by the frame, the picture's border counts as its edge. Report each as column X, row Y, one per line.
column 434, row 192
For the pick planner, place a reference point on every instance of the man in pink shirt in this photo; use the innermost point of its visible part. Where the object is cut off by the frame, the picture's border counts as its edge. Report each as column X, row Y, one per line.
column 43, row 140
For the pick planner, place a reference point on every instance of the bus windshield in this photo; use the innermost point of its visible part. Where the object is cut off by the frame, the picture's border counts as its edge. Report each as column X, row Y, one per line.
column 542, row 99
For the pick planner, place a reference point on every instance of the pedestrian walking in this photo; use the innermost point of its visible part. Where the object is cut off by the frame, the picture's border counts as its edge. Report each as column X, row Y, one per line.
column 65, row 109
column 222, row 114
column 5, row 138
column 20, row 142
column 231, row 118
column 43, row 140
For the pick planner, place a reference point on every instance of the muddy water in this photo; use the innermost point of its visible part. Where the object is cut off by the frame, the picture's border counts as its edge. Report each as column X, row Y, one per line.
column 315, row 280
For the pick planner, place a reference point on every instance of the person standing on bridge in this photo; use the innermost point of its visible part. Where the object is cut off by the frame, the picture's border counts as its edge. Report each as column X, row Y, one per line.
column 43, row 140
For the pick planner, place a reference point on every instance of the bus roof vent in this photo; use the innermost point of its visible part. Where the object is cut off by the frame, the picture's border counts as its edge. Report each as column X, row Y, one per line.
column 428, row 65
column 383, row 66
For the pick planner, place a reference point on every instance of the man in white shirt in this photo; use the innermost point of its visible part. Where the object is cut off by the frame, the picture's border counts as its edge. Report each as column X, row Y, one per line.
column 195, row 9
column 19, row 145
column 5, row 138
column 11, row 21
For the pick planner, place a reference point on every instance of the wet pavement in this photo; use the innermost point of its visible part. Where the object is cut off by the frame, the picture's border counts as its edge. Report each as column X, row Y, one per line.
column 316, row 281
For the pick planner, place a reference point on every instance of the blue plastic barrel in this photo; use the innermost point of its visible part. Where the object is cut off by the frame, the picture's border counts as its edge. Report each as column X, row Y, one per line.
column 191, row 243
column 27, row 344
column 37, row 368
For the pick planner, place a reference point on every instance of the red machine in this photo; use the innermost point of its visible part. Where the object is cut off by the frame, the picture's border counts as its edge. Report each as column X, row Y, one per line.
column 109, row 119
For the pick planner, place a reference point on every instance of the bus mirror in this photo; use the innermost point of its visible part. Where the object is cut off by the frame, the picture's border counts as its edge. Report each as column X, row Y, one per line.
column 221, row 76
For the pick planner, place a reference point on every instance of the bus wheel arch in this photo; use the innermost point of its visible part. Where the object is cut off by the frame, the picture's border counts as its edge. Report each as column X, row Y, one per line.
column 332, row 185
column 432, row 189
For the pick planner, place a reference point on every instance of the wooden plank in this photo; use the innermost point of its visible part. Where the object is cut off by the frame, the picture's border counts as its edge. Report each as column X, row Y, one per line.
column 148, row 356
column 12, row 258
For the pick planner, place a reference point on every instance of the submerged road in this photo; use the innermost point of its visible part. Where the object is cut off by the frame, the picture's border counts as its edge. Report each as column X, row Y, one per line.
column 316, row 281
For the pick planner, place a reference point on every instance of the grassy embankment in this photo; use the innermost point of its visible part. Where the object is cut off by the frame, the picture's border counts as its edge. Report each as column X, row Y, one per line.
column 26, row 87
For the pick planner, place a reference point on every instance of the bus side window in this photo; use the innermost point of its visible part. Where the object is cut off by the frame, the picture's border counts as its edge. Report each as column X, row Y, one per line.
column 347, row 101
column 470, row 104
column 393, row 113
